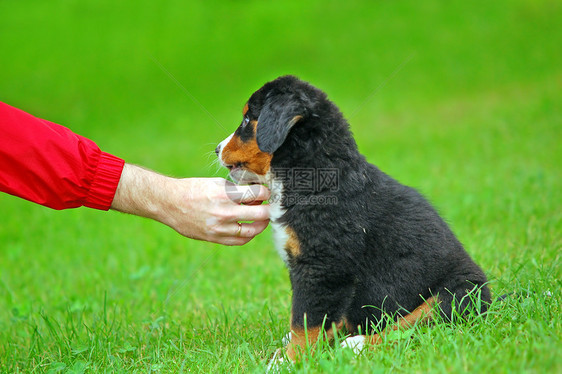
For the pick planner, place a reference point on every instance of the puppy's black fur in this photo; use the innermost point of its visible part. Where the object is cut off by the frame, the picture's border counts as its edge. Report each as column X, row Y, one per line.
column 383, row 249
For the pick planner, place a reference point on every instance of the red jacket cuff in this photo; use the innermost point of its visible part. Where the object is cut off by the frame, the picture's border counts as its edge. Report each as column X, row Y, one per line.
column 106, row 178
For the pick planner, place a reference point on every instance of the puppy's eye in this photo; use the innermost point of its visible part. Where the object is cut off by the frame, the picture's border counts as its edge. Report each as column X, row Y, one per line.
column 245, row 121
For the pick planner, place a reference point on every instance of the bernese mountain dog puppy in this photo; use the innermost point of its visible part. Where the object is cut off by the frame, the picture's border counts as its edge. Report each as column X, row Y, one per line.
column 361, row 248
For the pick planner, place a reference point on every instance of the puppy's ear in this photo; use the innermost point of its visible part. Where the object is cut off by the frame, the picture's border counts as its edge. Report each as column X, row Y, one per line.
column 277, row 117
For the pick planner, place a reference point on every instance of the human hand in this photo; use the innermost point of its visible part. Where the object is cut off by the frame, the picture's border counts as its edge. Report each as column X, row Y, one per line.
column 198, row 208
column 211, row 211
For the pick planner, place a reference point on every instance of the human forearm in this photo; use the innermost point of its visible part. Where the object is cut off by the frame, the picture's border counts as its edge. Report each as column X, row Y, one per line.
column 139, row 193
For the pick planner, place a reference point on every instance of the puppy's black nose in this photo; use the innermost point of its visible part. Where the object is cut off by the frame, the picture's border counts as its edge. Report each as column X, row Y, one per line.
column 218, row 149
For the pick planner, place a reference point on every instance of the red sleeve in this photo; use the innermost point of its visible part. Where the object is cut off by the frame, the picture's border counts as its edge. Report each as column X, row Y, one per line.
column 48, row 164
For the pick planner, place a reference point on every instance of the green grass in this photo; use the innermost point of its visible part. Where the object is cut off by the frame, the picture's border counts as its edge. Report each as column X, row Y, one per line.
column 460, row 99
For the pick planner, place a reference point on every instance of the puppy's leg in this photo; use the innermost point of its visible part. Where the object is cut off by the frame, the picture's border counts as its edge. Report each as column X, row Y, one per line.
column 297, row 340
column 302, row 336
column 318, row 311
column 422, row 314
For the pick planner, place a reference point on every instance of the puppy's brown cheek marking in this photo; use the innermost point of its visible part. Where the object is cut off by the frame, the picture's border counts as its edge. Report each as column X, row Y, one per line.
column 292, row 246
column 247, row 153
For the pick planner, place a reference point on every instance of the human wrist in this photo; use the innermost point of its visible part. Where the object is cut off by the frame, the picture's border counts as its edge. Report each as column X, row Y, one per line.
column 139, row 192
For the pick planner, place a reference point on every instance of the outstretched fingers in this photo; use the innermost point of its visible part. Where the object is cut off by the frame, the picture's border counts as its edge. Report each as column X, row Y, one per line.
column 251, row 213
column 239, row 233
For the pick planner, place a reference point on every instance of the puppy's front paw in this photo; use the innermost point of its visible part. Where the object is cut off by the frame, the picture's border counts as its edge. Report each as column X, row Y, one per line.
column 286, row 339
column 356, row 343
column 277, row 362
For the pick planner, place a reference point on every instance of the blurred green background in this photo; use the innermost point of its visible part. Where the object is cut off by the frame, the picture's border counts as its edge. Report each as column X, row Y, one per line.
column 460, row 99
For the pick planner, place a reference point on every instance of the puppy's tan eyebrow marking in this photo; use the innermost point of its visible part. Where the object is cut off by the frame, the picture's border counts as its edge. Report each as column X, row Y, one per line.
column 245, row 110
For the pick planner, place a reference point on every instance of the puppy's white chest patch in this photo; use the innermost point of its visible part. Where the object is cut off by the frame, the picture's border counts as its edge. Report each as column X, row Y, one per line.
column 280, row 235
column 280, row 238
